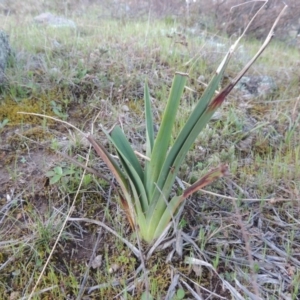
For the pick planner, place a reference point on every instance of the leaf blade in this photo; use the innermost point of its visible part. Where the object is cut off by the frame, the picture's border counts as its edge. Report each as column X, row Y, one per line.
column 162, row 140
column 131, row 165
column 122, row 145
column 149, row 121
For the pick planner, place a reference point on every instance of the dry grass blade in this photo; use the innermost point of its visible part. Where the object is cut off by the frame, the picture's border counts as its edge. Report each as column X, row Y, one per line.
column 191, row 290
column 246, row 291
column 115, row 282
column 135, row 250
column 40, row 292
column 158, row 241
column 54, row 119
column 172, row 287
column 200, row 288
column 210, row 177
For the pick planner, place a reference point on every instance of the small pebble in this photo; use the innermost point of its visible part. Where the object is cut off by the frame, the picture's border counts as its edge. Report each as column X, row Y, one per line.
column 125, row 108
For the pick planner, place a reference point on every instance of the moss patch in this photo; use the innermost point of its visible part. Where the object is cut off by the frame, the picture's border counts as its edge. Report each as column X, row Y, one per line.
column 41, row 103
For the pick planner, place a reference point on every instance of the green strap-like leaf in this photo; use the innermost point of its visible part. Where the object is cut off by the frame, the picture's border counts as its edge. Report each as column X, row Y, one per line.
column 121, row 143
column 137, row 210
column 181, row 146
column 186, row 130
column 149, row 138
column 149, row 122
column 162, row 140
column 165, row 218
column 130, row 163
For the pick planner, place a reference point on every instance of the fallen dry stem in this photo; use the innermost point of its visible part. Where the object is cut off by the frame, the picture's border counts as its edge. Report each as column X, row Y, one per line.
column 135, row 250
column 54, row 119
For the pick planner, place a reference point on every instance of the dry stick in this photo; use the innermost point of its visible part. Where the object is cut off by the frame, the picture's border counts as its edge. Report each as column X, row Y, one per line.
column 41, row 292
column 52, row 118
column 134, row 250
column 232, row 7
column 234, row 46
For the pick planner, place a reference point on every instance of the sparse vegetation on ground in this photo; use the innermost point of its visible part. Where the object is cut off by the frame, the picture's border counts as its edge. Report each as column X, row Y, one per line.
column 236, row 239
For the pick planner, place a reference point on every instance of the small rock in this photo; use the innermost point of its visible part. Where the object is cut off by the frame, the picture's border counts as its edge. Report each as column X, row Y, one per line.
column 125, row 108
column 97, row 262
column 256, row 86
column 54, row 72
column 54, row 21
column 114, row 268
column 201, row 78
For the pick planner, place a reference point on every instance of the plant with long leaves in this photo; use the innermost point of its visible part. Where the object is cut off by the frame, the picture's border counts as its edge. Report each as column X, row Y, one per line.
column 145, row 189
